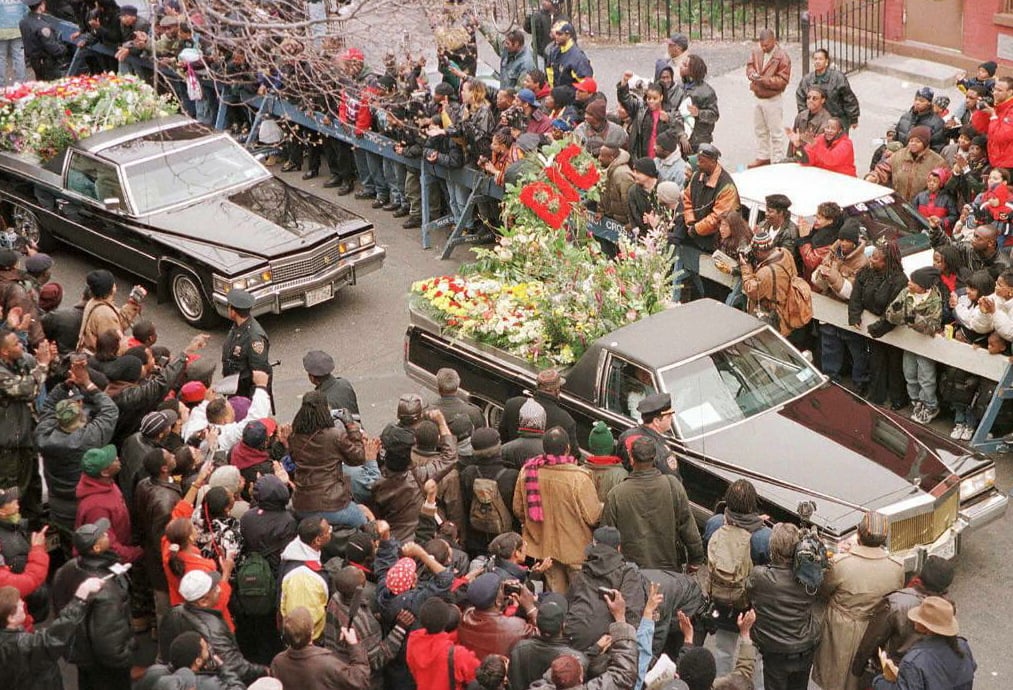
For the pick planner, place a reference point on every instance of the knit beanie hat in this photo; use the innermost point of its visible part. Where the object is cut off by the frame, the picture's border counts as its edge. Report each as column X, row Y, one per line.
column 646, row 166
column 669, row 193
column 922, row 133
column 485, row 443
column 50, row 296
column 925, row 277
column 981, row 141
column 600, row 440
column 668, row 140
column 531, row 417
column 850, row 230
column 597, row 108
column 989, row 66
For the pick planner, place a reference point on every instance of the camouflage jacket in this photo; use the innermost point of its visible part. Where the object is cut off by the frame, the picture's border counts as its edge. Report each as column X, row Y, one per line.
column 19, row 385
column 925, row 317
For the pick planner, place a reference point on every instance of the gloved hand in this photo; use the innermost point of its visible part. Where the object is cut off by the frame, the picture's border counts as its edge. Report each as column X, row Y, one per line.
column 879, row 328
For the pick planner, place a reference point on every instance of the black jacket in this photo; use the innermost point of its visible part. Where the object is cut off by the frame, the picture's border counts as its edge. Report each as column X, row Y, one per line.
column 588, row 618
column 135, row 401
column 486, row 468
column 453, row 405
column 212, row 627
column 785, row 623
column 555, row 415
column 63, row 326
column 220, row 679
column 530, row 658
column 340, row 394
column 154, row 500
column 29, row 660
column 104, row 638
column 929, row 119
column 62, row 452
column 874, row 290
column 267, row 527
column 132, row 451
column 527, row 445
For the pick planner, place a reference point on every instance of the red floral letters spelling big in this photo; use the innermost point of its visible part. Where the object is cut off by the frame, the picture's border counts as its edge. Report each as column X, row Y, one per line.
column 554, row 202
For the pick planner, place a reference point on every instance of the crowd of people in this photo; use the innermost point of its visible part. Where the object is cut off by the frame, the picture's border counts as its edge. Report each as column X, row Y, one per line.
column 267, row 553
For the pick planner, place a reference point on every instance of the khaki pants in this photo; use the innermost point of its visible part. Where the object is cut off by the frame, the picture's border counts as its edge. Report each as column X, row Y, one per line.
column 558, row 576
column 768, row 125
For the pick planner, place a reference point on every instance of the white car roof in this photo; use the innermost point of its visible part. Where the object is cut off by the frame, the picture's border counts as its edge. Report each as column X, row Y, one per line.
column 807, row 187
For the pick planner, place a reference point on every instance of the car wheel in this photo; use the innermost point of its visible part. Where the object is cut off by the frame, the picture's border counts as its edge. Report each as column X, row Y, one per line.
column 26, row 226
column 190, row 301
column 492, row 412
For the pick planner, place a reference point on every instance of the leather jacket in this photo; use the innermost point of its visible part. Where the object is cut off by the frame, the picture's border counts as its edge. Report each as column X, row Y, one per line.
column 785, row 623
column 212, row 627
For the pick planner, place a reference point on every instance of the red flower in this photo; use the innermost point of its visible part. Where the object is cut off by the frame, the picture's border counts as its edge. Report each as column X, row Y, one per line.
column 584, row 180
column 534, row 196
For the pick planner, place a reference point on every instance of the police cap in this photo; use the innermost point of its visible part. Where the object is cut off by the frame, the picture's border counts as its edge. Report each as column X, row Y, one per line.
column 656, row 404
column 32, row 3
column 241, row 299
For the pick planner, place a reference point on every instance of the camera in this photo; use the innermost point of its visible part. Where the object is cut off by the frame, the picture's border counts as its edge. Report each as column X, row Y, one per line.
column 346, row 416
column 512, row 587
column 605, row 593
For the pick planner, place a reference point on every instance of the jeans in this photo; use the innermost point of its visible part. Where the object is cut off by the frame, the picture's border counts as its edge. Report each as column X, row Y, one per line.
column 458, row 198
column 964, row 414
column 376, row 174
column 736, row 298
column 394, row 174
column 14, row 51
column 787, row 671
column 349, row 516
column 684, row 269
column 364, row 172
column 920, row 375
column 833, row 341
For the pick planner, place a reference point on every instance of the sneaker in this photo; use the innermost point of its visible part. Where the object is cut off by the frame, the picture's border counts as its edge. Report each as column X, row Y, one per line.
column 958, row 432
column 928, row 414
column 916, row 411
column 412, row 222
column 968, row 433
column 402, row 212
column 362, row 195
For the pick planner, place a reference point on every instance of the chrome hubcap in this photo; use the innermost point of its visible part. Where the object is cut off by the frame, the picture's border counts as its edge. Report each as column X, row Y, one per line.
column 25, row 224
column 187, row 295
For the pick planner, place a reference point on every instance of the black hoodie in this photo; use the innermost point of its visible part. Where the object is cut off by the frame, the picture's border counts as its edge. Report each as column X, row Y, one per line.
column 589, row 617
column 268, row 526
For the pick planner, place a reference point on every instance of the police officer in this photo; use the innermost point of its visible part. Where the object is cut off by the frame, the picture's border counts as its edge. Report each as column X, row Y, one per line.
column 44, row 50
column 656, row 421
column 339, row 392
column 246, row 346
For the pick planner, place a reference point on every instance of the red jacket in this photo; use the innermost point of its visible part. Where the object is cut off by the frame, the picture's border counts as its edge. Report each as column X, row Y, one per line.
column 101, row 498
column 428, row 660
column 999, row 131
column 838, row 157
column 28, row 580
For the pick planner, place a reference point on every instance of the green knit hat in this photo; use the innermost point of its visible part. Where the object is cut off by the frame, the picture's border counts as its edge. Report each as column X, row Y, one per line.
column 97, row 459
column 600, row 440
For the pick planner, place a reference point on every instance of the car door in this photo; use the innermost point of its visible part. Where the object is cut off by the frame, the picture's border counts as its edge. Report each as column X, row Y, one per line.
column 95, row 214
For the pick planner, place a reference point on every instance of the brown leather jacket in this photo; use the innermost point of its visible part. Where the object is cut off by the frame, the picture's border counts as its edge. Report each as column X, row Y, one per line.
column 398, row 497
column 488, row 632
column 154, row 500
column 773, row 76
column 320, row 484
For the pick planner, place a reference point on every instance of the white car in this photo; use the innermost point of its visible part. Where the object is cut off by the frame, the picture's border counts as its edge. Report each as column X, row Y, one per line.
column 879, row 209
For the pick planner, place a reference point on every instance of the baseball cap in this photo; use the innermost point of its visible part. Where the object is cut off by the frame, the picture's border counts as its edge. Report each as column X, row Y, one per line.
column 197, row 583
column 8, row 495
column 587, row 84
column 85, row 536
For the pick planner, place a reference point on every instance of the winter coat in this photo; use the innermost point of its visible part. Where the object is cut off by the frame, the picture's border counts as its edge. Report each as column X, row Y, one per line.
column 154, row 500
column 766, row 286
column 506, row 481
column 642, row 121
column 571, row 508
column 706, row 100
column 221, row 679
column 704, row 201
column 319, row 482
column 453, row 405
column 972, row 260
column 538, row 24
column 928, row 118
column 841, row 100
column 566, row 65
column 937, row 205
column 889, row 627
column 924, row 317
column 19, row 384
column 909, row 171
column 857, row 581
column 428, row 658
column 61, row 451
column 314, row 668
column 932, row 665
column 448, row 487
column 303, row 581
column 785, row 623
column 29, row 660
column 268, row 527
column 34, row 569
column 836, row 274
column 555, row 415
column 398, row 496
column 105, row 637
column 810, row 125
column 873, row 290
column 212, row 627
column 836, row 156
column 774, row 75
column 531, row 658
column 621, row 672
column 488, row 632
column 999, row 132
column 652, row 512
column 380, row 650
column 62, row 326
column 527, row 445
column 588, row 616
column 340, row 394
column 101, row 315
column 101, row 498
column 618, row 180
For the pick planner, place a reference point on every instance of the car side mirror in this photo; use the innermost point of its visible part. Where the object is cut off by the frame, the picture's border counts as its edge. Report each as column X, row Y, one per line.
column 111, row 204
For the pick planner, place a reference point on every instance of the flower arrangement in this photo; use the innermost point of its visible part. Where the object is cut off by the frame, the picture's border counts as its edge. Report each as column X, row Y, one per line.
column 45, row 117
column 547, row 290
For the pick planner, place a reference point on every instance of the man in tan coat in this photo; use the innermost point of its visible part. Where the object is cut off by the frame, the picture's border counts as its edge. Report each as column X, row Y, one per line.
column 853, row 587
column 910, row 166
column 101, row 313
column 766, row 277
column 557, row 504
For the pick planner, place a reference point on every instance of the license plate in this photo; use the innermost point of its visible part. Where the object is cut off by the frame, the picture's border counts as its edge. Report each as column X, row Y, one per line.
column 320, row 294
column 946, row 550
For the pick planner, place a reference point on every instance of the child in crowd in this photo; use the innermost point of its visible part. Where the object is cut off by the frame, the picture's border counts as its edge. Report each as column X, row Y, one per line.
column 937, row 204
column 983, row 81
column 970, row 325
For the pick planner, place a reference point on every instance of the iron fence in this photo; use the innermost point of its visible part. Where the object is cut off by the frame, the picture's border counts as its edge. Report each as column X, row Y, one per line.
column 851, row 33
column 636, row 21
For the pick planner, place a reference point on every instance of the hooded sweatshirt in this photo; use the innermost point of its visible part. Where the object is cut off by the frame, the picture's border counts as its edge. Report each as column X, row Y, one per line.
column 427, row 657
column 304, row 583
column 588, row 617
column 101, row 498
column 268, row 527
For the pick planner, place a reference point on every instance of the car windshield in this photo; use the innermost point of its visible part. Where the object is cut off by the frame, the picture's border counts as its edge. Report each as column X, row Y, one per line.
column 893, row 219
column 737, row 382
column 189, row 174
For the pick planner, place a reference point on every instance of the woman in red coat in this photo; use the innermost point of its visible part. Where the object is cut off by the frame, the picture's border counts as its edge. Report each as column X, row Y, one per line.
column 833, row 151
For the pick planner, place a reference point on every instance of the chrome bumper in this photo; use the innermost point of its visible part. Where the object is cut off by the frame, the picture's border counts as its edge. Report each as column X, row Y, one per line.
column 274, row 299
column 985, row 511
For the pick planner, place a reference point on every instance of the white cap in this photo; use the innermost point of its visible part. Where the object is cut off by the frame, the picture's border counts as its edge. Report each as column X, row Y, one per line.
column 197, row 583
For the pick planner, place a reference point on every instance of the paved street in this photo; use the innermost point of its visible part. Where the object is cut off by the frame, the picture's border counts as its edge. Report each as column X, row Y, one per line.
column 363, row 327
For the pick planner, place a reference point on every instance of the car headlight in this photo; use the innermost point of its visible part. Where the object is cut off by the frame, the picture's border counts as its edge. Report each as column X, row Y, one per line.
column 252, row 280
column 349, row 245
column 977, row 483
column 366, row 239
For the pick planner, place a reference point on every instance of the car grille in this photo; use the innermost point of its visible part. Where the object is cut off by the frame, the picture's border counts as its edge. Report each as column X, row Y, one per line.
column 925, row 528
column 307, row 264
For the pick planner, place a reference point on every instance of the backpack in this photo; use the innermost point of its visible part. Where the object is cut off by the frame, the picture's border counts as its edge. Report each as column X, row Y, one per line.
column 729, row 562
column 489, row 513
column 811, row 561
column 255, row 586
column 797, row 309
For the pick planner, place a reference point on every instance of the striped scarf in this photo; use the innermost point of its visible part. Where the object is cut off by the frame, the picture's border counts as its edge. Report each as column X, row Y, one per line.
column 532, row 493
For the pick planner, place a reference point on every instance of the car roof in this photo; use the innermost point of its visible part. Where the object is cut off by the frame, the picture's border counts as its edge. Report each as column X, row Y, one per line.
column 807, row 187
column 144, row 139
